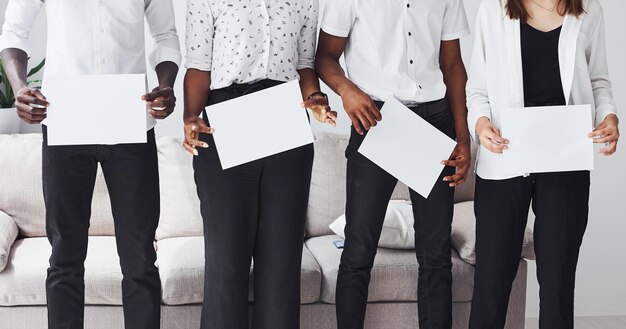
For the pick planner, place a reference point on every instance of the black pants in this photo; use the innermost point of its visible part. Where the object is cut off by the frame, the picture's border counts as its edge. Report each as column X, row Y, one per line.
column 255, row 210
column 560, row 202
column 132, row 177
column 369, row 189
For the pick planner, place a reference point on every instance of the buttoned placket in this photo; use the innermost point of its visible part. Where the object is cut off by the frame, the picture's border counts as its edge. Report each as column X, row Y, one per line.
column 410, row 45
column 100, row 31
column 268, row 36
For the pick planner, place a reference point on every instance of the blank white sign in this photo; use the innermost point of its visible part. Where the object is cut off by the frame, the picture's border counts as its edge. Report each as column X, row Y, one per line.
column 260, row 124
column 407, row 147
column 548, row 139
column 95, row 109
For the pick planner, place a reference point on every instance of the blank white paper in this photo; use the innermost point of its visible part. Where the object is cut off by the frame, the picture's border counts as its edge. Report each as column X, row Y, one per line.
column 407, row 147
column 95, row 109
column 548, row 139
column 260, row 124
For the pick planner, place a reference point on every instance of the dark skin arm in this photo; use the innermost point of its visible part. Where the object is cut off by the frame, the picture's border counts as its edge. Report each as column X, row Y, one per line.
column 161, row 100
column 309, row 84
column 31, row 104
column 358, row 105
column 455, row 78
column 196, row 89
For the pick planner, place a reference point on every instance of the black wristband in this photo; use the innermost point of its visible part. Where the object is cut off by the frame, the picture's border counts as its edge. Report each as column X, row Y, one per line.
column 317, row 93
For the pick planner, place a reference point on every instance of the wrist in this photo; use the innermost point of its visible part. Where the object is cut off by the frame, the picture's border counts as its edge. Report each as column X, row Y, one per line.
column 481, row 124
column 317, row 94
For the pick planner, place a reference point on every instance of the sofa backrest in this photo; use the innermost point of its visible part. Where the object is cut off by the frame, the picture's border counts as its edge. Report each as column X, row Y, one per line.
column 21, row 194
column 328, row 184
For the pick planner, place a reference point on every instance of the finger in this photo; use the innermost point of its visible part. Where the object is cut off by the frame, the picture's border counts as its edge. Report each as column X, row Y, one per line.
column 609, row 150
column 364, row 122
column 331, row 122
column 31, row 118
column 375, row 112
column 605, row 139
column 450, row 163
column 37, row 93
column 32, row 99
column 151, row 96
column 160, row 114
column 332, row 115
column 356, row 124
column 203, row 128
column 197, row 143
column 369, row 117
column 190, row 149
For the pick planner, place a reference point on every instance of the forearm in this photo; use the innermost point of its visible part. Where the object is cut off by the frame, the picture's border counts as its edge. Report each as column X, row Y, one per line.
column 166, row 74
column 455, row 78
column 309, row 82
column 196, row 90
column 15, row 62
column 331, row 72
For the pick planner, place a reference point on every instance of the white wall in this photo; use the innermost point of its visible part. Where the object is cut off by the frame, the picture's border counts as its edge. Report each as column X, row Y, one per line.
column 601, row 287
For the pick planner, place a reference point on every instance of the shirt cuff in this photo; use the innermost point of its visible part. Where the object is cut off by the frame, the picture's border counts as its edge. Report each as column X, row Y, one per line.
column 455, row 36
column 602, row 112
column 10, row 40
column 164, row 54
column 198, row 65
column 335, row 31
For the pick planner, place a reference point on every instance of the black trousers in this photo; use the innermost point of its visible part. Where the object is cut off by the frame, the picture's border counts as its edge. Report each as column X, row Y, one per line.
column 132, row 177
column 255, row 210
column 560, row 202
column 369, row 189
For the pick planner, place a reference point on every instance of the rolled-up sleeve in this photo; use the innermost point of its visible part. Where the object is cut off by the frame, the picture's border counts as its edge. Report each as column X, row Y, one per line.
column 338, row 17
column 19, row 18
column 160, row 18
column 199, row 35
column 308, row 36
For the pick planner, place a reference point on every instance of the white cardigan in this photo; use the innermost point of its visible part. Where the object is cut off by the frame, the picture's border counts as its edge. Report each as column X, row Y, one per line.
column 496, row 79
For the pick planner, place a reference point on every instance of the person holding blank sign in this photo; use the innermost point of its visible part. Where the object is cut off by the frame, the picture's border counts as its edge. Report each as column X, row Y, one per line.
column 256, row 210
column 533, row 53
column 96, row 38
column 409, row 50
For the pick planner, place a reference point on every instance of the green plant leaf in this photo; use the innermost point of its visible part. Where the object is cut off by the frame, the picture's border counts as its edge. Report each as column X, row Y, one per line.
column 37, row 68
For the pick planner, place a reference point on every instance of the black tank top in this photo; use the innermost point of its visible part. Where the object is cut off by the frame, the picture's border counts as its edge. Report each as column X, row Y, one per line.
column 540, row 61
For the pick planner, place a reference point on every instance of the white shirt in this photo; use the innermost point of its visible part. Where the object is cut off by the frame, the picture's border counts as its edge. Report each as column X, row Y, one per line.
column 496, row 77
column 95, row 36
column 243, row 41
column 393, row 46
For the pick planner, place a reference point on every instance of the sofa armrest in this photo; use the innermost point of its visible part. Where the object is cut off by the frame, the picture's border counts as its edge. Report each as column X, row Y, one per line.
column 464, row 234
column 8, row 234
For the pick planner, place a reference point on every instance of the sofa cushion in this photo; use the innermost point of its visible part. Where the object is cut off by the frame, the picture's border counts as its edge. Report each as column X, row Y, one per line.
column 398, row 228
column 180, row 206
column 394, row 276
column 21, row 195
column 181, row 266
column 23, row 281
column 464, row 234
column 8, row 234
column 328, row 184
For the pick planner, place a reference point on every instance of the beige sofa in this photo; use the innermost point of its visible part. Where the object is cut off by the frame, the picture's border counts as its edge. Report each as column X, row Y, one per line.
column 24, row 250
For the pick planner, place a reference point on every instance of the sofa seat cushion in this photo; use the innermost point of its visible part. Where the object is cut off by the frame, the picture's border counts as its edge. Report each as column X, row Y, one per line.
column 23, row 282
column 394, row 276
column 181, row 266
